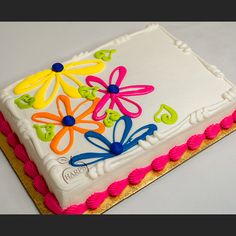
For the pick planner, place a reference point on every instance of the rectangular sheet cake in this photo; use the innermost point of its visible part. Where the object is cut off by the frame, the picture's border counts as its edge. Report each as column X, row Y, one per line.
column 89, row 127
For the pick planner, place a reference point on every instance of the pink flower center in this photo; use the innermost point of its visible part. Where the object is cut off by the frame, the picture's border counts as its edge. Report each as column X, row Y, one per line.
column 113, row 88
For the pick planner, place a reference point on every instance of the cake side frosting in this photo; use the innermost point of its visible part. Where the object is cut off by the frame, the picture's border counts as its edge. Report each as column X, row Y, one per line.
column 175, row 73
column 115, row 189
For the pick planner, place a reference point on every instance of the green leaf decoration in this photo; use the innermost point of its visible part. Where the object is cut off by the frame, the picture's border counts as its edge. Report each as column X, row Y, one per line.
column 25, row 101
column 45, row 132
column 168, row 118
column 104, row 55
column 111, row 117
column 88, row 92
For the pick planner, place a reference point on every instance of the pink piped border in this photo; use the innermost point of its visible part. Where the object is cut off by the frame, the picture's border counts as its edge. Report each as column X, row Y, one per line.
column 115, row 189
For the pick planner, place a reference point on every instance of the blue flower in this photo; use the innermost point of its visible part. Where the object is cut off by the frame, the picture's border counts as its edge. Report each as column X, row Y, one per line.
column 116, row 147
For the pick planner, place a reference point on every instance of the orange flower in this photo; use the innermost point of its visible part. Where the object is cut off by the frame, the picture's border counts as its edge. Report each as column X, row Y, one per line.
column 69, row 123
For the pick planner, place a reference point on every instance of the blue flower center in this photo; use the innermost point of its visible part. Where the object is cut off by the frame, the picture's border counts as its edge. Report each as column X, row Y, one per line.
column 68, row 121
column 116, row 148
column 57, row 67
column 113, row 88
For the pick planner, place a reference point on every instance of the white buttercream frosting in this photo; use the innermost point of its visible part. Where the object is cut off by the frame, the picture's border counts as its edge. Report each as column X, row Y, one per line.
column 198, row 92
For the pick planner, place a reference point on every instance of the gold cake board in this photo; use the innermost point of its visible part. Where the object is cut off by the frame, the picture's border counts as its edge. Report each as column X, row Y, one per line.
column 37, row 198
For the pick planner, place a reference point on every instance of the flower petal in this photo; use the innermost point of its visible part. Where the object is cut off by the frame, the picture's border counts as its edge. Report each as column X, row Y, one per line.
column 58, row 137
column 88, row 111
column 33, row 81
column 46, row 118
column 40, row 101
column 66, row 105
column 90, row 135
column 135, row 90
column 85, row 67
column 126, row 111
column 126, row 127
column 100, row 126
column 68, row 89
column 89, row 155
column 121, row 70
column 100, row 107
column 139, row 134
column 93, row 81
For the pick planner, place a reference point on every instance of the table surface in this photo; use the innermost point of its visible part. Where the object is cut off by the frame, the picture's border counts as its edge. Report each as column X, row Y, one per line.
column 204, row 184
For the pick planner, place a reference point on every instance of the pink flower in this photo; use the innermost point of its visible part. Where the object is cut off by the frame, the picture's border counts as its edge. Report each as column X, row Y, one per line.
column 114, row 94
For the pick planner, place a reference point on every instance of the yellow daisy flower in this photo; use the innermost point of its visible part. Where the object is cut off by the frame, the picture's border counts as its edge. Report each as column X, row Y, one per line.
column 46, row 78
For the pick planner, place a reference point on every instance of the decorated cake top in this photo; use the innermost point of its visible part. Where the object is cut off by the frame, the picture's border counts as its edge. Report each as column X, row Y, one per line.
column 111, row 105
column 105, row 108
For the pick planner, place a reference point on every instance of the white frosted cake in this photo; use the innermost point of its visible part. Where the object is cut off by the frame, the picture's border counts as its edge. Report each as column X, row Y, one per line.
column 88, row 125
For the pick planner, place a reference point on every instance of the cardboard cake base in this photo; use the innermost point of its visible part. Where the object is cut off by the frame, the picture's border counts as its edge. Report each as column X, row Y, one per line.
column 37, row 198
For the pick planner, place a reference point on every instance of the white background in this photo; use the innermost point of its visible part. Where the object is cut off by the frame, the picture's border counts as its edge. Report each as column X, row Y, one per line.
column 204, row 184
